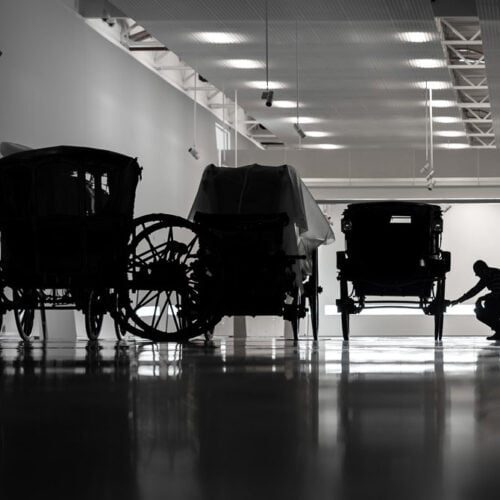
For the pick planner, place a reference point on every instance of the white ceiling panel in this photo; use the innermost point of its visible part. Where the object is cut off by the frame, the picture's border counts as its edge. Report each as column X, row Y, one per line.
column 356, row 79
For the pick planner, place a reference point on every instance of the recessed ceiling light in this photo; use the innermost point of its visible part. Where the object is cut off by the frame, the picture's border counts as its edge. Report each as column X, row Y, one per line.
column 446, row 119
column 322, row 146
column 427, row 63
column 219, row 37
column 416, row 36
column 443, row 103
column 262, row 85
column 449, row 133
column 453, row 145
column 242, row 63
column 318, row 133
column 303, row 120
column 434, row 85
column 285, row 104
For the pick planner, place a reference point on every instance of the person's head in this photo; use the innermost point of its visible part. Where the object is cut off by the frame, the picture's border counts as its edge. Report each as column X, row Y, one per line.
column 480, row 267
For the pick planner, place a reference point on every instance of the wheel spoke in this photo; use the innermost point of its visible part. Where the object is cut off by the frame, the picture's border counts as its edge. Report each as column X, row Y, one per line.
column 189, row 248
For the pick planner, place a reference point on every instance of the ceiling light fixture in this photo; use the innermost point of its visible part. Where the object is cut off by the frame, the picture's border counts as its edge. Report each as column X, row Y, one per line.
column 219, row 37
column 318, row 133
column 322, row 146
column 284, row 104
column 262, row 84
column 427, row 63
column 443, row 103
column 416, row 36
column 267, row 95
column 453, row 145
column 304, row 120
column 436, row 85
column 242, row 63
column 450, row 133
column 446, row 119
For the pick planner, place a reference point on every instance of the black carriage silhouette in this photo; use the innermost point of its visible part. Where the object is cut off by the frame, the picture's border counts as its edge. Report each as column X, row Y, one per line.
column 69, row 240
column 393, row 253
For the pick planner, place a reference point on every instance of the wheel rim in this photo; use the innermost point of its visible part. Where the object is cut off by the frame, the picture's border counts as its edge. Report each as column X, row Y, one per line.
column 94, row 315
column 25, row 316
column 173, row 281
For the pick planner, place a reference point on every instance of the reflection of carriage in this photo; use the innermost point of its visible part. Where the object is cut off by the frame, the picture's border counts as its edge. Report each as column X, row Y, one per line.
column 69, row 240
column 392, row 251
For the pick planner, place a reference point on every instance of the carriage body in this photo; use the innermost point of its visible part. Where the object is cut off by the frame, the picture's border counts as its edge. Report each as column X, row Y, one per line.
column 393, row 251
column 65, row 220
column 268, row 228
column 65, row 217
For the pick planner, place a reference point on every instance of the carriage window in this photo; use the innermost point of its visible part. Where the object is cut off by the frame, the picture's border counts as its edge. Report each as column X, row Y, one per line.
column 401, row 219
column 97, row 191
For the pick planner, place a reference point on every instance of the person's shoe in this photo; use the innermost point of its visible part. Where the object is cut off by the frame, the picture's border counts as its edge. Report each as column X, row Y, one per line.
column 495, row 336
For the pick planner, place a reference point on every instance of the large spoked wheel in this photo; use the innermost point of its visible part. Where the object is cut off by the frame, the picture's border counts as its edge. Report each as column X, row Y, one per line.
column 173, row 273
column 440, row 308
column 94, row 314
column 24, row 313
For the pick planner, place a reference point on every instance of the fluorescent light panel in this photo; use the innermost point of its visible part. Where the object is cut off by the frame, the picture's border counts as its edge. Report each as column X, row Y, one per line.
column 450, row 133
column 427, row 63
column 446, row 119
column 435, row 85
column 285, row 104
column 322, row 146
column 219, row 37
column 261, row 84
column 242, row 63
column 303, row 120
column 416, row 36
column 317, row 133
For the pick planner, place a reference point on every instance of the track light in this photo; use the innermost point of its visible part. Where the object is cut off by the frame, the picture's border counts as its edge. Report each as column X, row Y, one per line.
column 425, row 167
column 268, row 96
column 430, row 176
column 194, row 153
column 299, row 131
column 431, row 184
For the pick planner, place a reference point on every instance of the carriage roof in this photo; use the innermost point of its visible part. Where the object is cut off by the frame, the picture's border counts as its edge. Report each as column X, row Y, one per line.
column 48, row 181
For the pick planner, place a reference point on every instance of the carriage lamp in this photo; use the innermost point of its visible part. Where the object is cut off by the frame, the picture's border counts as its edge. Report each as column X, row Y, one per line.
column 346, row 225
column 437, row 227
column 268, row 96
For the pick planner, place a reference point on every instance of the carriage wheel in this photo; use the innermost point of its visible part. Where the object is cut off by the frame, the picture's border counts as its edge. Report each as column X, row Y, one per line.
column 345, row 325
column 173, row 280
column 120, row 327
column 344, row 312
column 94, row 314
column 313, row 295
column 25, row 315
column 439, row 314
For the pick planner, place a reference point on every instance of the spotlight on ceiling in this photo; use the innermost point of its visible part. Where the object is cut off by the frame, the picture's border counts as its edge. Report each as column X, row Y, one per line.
column 194, row 153
column 268, row 96
column 299, row 131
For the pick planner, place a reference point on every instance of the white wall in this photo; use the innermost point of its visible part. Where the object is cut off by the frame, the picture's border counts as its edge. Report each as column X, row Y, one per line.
column 471, row 232
column 62, row 83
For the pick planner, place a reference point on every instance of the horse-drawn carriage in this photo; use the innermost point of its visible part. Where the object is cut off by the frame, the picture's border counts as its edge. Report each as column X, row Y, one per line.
column 393, row 252
column 69, row 240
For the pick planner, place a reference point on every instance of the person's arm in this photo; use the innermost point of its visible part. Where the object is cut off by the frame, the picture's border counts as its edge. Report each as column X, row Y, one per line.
column 473, row 291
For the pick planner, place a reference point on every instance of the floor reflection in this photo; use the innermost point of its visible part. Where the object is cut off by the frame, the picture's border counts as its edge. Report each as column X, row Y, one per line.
column 263, row 418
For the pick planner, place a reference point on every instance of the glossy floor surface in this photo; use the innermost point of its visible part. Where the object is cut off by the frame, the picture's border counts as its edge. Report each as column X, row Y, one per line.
column 379, row 418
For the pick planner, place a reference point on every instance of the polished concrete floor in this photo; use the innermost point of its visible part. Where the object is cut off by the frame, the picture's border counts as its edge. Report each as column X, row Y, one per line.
column 379, row 418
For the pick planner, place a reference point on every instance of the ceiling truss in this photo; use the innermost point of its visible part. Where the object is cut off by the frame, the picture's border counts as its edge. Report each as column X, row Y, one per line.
column 463, row 47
